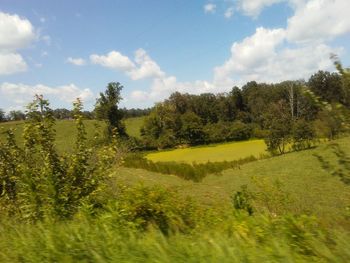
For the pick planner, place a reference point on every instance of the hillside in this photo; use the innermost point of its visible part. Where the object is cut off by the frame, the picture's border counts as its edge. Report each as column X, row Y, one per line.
column 312, row 189
column 66, row 130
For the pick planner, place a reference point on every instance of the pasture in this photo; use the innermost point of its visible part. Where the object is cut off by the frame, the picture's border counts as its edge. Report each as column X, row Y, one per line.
column 65, row 132
column 213, row 153
column 133, row 126
column 312, row 189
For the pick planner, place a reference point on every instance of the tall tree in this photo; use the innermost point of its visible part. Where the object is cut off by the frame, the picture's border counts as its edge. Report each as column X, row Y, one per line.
column 2, row 115
column 106, row 108
column 16, row 115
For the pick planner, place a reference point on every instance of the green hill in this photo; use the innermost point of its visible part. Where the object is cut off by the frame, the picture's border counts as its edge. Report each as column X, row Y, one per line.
column 311, row 188
column 66, row 130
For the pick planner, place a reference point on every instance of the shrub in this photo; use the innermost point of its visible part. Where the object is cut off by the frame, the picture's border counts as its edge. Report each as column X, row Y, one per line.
column 155, row 206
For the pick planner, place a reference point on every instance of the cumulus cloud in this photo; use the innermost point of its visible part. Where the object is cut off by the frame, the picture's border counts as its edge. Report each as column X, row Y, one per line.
column 142, row 67
column 76, row 61
column 268, row 55
column 113, row 60
column 15, row 33
column 254, row 7
column 11, row 63
column 319, row 20
column 262, row 57
column 146, row 67
column 20, row 94
column 209, row 8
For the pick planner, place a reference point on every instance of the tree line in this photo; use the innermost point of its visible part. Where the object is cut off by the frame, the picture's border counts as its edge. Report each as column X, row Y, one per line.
column 284, row 113
column 65, row 114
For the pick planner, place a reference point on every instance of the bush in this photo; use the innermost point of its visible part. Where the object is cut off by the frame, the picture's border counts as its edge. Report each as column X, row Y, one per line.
column 144, row 207
column 194, row 172
column 38, row 182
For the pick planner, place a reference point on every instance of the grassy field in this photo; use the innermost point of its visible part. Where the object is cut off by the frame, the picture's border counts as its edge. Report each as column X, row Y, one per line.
column 133, row 126
column 214, row 153
column 65, row 132
column 312, row 189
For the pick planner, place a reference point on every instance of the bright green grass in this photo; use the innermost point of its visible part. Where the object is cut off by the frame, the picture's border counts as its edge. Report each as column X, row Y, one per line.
column 133, row 126
column 65, row 132
column 214, row 153
column 313, row 190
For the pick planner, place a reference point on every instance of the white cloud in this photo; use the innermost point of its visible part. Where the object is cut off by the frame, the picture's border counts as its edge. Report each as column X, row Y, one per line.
column 268, row 55
column 15, row 33
column 209, row 8
column 113, row 60
column 254, row 7
column 11, row 63
column 76, row 61
column 21, row 94
column 319, row 20
column 146, row 66
column 142, row 67
column 262, row 57
column 229, row 12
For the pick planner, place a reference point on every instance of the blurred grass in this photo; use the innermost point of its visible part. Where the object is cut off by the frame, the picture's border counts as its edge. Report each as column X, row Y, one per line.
column 255, row 239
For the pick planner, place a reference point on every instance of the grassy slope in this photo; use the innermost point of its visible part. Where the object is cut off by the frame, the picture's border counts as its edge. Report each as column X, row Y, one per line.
column 65, row 132
column 215, row 153
column 312, row 189
column 133, row 126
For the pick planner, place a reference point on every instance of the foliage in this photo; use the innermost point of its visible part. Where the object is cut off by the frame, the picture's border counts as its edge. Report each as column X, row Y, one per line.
column 279, row 124
column 303, row 135
column 2, row 115
column 145, row 207
column 16, row 115
column 39, row 182
column 106, row 108
column 241, row 200
column 195, row 171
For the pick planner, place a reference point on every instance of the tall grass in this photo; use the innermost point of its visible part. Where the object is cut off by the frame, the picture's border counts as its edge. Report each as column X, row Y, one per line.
column 260, row 239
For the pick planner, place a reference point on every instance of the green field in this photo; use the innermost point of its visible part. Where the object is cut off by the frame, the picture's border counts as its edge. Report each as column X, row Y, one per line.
column 214, row 153
column 65, row 132
column 313, row 190
column 133, row 126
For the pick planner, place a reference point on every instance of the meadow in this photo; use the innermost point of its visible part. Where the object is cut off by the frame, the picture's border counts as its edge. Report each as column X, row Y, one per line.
column 300, row 202
column 65, row 132
column 304, row 217
column 133, row 126
column 213, row 153
column 312, row 189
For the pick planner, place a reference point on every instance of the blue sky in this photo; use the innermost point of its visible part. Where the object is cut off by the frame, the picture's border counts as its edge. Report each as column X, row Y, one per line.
column 68, row 49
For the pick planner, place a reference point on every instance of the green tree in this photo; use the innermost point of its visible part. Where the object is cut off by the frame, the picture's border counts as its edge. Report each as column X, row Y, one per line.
column 16, row 115
column 106, row 108
column 2, row 115
column 192, row 128
column 328, row 86
column 280, row 127
column 303, row 135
